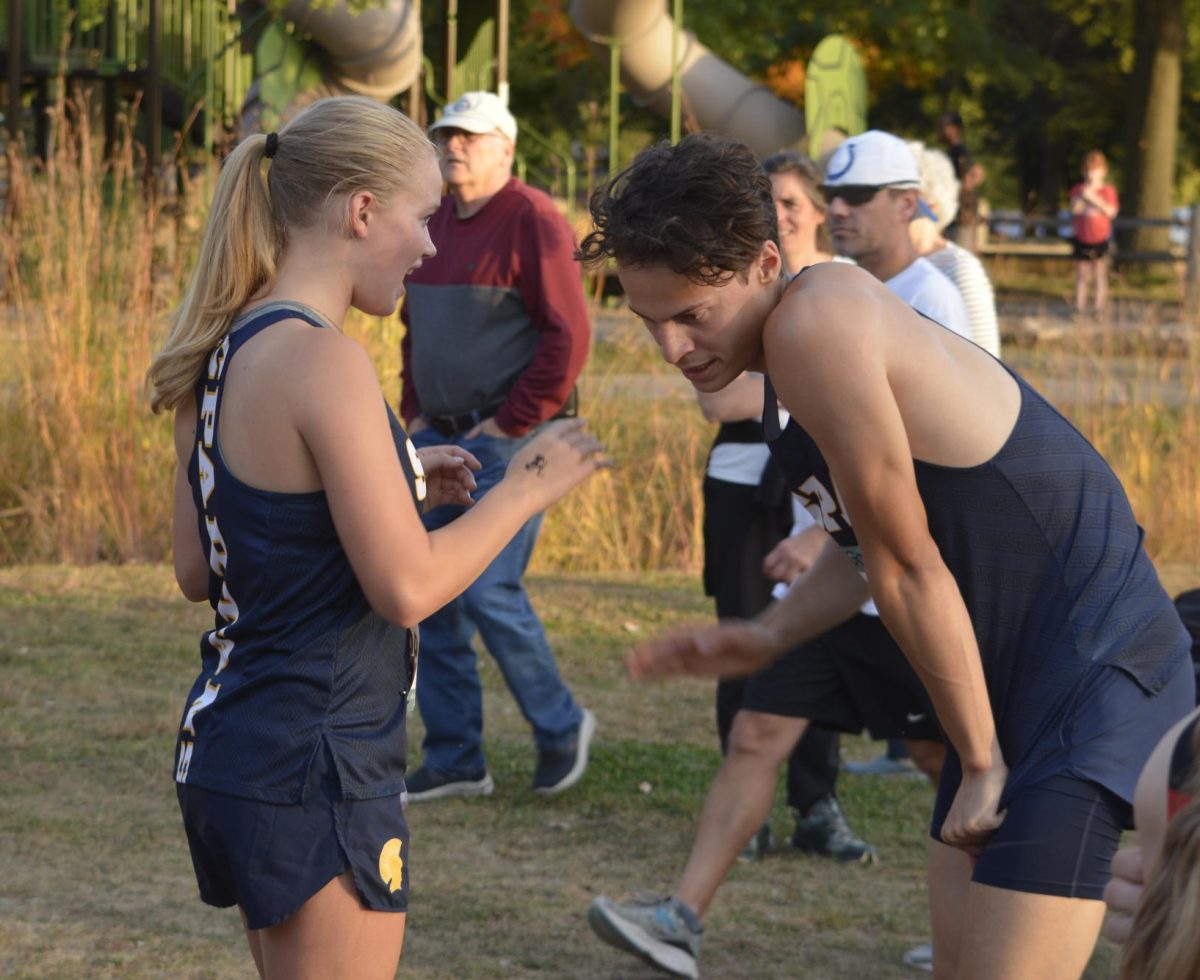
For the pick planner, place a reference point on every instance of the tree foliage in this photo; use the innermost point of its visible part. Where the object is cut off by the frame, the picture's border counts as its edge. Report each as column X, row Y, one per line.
column 1038, row 82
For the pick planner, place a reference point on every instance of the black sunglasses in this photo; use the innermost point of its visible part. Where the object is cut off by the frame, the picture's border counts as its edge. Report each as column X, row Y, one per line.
column 852, row 194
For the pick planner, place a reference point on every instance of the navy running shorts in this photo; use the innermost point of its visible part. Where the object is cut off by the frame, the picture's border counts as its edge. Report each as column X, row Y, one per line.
column 271, row 858
column 1058, row 836
column 851, row 678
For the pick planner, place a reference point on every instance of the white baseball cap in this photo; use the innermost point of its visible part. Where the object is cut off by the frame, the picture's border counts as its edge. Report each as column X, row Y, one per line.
column 872, row 159
column 478, row 112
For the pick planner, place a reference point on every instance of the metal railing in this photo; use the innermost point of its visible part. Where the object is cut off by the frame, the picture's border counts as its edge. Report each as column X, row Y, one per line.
column 1015, row 234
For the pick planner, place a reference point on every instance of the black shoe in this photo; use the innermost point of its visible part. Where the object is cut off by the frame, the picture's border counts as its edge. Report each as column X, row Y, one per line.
column 563, row 768
column 823, row 830
column 430, row 784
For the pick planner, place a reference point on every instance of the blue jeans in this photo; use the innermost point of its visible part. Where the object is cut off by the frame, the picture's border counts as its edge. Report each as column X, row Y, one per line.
column 449, row 692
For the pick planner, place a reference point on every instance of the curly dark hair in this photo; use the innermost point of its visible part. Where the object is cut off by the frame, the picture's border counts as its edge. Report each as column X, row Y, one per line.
column 702, row 208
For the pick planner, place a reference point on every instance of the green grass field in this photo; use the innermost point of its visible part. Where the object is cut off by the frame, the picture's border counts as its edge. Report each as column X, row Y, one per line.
column 95, row 879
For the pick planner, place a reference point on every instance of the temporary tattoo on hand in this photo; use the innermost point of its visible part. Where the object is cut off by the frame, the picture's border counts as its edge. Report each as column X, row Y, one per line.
column 537, row 463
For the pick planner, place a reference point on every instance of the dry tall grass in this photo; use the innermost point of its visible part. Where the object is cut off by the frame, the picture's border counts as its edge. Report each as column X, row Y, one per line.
column 91, row 270
column 86, row 468
column 1134, row 395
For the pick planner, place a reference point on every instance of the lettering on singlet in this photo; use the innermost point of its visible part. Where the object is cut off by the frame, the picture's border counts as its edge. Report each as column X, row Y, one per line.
column 825, row 507
column 218, row 556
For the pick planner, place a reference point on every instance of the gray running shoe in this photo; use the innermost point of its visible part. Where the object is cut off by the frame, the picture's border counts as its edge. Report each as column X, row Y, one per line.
column 651, row 927
column 760, row 844
column 823, row 830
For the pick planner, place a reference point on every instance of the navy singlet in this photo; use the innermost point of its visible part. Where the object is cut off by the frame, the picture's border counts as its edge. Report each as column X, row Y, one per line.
column 296, row 658
column 1049, row 559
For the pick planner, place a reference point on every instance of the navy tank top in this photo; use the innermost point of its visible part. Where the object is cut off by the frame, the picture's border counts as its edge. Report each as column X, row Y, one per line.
column 1049, row 560
column 296, row 657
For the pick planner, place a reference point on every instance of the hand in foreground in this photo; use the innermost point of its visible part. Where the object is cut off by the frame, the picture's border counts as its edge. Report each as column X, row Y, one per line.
column 1123, row 893
column 559, row 458
column 975, row 813
column 449, row 475
column 732, row 648
column 793, row 555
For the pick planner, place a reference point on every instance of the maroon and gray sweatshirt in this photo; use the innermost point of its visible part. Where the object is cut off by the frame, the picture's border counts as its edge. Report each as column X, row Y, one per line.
column 497, row 317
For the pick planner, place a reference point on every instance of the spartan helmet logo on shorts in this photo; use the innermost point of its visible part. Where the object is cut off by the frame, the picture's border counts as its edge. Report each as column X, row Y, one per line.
column 391, row 865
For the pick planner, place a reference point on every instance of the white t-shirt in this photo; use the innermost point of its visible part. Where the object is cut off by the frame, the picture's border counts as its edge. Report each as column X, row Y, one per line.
column 968, row 274
column 928, row 291
column 741, row 462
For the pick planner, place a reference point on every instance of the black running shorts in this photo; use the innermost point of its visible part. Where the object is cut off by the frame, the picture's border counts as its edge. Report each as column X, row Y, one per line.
column 853, row 677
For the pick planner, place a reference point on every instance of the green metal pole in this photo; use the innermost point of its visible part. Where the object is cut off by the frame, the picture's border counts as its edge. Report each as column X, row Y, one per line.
column 451, row 49
column 676, row 92
column 16, row 45
column 210, row 82
column 153, row 89
column 614, row 105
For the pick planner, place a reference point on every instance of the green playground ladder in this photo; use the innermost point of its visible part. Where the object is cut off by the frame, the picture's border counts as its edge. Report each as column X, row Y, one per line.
column 186, row 50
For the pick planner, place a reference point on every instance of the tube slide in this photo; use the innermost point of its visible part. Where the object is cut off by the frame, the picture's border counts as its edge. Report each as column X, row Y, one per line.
column 719, row 97
column 376, row 52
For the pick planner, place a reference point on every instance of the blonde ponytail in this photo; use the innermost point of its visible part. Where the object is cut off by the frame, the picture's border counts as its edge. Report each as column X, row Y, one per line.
column 334, row 148
column 237, row 256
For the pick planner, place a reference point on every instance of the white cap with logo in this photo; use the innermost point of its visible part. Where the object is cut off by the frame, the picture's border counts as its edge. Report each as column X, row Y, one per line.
column 478, row 112
column 872, row 159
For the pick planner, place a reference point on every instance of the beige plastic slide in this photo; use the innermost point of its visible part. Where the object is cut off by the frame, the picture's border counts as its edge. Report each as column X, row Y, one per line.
column 376, row 52
column 719, row 97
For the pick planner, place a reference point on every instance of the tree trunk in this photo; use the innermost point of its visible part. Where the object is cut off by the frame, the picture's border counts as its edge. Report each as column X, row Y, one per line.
column 1154, row 112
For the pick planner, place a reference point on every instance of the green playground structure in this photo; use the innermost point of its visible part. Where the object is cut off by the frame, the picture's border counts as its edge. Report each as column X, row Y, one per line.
column 220, row 68
column 182, row 54
column 197, row 61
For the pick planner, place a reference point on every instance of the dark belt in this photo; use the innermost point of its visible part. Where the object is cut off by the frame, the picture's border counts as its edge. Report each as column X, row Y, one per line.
column 452, row 425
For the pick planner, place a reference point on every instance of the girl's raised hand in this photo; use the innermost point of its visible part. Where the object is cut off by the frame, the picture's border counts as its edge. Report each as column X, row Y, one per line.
column 559, row 458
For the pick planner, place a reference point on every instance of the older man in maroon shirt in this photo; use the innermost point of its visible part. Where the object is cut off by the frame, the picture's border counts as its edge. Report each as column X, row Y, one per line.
column 497, row 335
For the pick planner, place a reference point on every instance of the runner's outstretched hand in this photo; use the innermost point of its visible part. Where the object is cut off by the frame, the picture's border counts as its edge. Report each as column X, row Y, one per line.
column 732, row 648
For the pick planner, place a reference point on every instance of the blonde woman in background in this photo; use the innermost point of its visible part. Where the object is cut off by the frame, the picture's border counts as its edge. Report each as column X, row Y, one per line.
column 939, row 190
column 296, row 517
column 1154, row 897
column 795, row 185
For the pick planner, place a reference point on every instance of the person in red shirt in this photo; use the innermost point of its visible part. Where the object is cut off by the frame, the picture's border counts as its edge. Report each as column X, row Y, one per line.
column 1093, row 206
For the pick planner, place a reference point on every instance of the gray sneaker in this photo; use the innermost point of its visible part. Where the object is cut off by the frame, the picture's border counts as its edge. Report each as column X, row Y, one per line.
column 824, row 830
column 652, row 927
